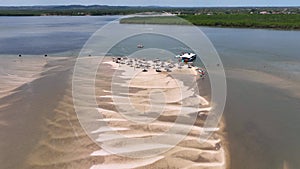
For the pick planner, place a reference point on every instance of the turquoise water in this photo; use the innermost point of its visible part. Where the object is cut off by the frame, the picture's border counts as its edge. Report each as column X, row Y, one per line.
column 263, row 121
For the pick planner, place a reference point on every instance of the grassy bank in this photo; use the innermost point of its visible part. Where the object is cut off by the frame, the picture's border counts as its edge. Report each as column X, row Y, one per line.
column 167, row 20
column 274, row 21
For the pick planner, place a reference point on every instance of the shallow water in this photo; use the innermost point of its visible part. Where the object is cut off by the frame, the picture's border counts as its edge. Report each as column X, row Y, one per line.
column 262, row 115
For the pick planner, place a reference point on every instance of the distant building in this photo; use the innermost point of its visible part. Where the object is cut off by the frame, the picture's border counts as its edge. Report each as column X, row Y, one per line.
column 263, row 12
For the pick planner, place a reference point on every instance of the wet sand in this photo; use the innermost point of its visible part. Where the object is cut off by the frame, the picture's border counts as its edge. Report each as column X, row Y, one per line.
column 40, row 129
column 30, row 98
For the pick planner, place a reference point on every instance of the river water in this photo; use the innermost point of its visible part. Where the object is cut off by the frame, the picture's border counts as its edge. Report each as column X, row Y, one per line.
column 263, row 72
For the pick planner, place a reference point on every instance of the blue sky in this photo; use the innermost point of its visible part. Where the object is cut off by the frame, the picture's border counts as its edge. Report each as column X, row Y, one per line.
column 155, row 2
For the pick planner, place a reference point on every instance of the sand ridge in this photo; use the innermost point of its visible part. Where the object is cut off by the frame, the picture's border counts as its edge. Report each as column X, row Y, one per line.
column 127, row 127
column 64, row 143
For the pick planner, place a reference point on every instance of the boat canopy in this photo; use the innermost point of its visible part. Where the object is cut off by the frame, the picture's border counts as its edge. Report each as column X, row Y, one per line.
column 186, row 55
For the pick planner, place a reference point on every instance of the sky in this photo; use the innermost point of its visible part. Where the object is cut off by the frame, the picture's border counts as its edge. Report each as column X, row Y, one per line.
column 184, row 3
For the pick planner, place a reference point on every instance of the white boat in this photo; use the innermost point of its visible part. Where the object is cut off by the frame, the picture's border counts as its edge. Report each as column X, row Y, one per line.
column 140, row 46
column 187, row 57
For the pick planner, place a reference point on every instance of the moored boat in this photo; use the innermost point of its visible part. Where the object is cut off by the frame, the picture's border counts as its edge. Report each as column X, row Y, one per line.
column 187, row 57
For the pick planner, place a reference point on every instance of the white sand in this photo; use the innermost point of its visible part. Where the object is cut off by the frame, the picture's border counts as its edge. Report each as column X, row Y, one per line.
column 66, row 144
column 174, row 91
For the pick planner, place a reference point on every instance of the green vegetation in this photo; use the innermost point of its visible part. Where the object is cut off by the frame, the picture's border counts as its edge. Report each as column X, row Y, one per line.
column 75, row 10
column 66, row 12
column 248, row 17
column 274, row 21
column 278, row 21
column 79, row 10
column 167, row 20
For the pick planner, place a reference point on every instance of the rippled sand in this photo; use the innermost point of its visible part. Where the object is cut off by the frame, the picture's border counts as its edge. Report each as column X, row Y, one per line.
column 124, row 125
column 61, row 142
column 15, row 72
column 33, row 87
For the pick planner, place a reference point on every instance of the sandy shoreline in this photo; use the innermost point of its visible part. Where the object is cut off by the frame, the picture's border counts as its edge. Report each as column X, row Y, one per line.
column 60, row 142
column 184, row 155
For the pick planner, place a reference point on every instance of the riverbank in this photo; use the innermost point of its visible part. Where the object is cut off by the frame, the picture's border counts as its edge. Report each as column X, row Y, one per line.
column 270, row 21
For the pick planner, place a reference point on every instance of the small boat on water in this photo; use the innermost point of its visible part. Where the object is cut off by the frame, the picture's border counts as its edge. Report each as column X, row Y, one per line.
column 140, row 46
column 187, row 57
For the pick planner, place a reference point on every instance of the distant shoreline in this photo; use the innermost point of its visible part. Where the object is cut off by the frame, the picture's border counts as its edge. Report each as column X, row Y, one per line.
column 282, row 18
column 270, row 21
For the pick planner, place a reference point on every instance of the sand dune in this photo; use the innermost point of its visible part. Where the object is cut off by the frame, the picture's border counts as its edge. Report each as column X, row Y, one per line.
column 63, row 143
column 125, row 125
